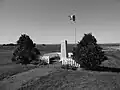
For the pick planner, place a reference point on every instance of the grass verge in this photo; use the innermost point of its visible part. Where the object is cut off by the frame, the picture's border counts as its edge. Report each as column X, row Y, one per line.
column 9, row 70
column 75, row 80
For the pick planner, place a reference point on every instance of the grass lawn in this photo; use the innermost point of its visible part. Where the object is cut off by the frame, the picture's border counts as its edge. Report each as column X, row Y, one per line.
column 5, row 57
column 76, row 80
column 80, row 80
column 9, row 70
column 63, row 79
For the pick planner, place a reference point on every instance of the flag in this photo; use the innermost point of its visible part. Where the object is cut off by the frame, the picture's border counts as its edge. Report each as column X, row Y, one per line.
column 72, row 18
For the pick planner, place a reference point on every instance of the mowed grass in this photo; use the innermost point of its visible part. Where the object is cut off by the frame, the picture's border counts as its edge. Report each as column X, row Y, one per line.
column 64, row 79
column 8, row 70
column 76, row 80
column 81, row 79
column 5, row 57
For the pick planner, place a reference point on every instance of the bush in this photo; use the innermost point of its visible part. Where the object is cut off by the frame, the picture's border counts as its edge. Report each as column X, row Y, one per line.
column 88, row 53
column 25, row 51
column 42, row 62
column 53, row 59
column 34, row 62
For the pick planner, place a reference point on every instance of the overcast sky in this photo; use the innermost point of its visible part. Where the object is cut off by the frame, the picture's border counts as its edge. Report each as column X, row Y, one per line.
column 46, row 21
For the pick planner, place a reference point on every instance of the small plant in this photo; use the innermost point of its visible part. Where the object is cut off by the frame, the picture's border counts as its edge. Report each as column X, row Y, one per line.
column 42, row 62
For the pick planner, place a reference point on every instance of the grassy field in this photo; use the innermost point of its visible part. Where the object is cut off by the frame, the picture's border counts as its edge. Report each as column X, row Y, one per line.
column 104, row 79
column 85, row 80
column 6, row 54
column 12, row 69
column 6, row 51
column 76, row 80
column 5, row 57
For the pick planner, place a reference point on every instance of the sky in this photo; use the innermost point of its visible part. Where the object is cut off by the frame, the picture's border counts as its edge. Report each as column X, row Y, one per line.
column 47, row 21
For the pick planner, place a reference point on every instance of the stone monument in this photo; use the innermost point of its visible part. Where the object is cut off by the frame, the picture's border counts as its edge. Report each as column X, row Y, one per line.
column 64, row 53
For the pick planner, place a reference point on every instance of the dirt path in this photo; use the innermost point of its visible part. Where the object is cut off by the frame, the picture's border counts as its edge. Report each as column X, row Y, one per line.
column 14, row 82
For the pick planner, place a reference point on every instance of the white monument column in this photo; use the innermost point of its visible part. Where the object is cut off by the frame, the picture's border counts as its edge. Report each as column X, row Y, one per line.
column 64, row 53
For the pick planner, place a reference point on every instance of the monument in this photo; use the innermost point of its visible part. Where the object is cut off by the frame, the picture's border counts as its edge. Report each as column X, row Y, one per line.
column 64, row 53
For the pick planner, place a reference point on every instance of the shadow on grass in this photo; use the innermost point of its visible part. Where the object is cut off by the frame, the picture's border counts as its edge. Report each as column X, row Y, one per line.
column 106, row 69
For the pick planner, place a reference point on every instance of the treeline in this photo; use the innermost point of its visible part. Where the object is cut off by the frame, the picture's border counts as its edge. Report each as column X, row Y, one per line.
column 10, row 44
column 86, row 52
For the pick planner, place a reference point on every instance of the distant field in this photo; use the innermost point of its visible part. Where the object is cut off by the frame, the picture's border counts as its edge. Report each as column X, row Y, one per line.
column 6, row 51
column 5, row 57
column 8, row 69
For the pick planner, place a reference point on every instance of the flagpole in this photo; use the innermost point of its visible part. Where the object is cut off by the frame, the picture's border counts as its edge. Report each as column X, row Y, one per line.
column 73, row 18
column 75, row 31
column 74, row 25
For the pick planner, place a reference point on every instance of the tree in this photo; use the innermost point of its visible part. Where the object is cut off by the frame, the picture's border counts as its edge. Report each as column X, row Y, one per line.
column 25, row 51
column 88, row 53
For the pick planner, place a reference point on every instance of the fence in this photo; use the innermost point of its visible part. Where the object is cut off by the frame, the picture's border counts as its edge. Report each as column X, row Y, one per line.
column 70, row 61
column 65, row 61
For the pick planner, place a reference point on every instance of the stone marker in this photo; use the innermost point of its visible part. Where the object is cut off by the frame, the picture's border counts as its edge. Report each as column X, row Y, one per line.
column 70, row 55
column 46, row 59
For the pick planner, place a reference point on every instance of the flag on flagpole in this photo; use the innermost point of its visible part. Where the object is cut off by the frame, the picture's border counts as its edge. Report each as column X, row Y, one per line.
column 72, row 18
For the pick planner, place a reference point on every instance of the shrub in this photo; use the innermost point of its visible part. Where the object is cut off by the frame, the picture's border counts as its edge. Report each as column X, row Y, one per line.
column 53, row 59
column 34, row 62
column 42, row 62
column 88, row 53
column 25, row 51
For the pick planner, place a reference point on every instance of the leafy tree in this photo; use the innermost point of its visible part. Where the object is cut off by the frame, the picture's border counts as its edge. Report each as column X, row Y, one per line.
column 25, row 51
column 88, row 53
